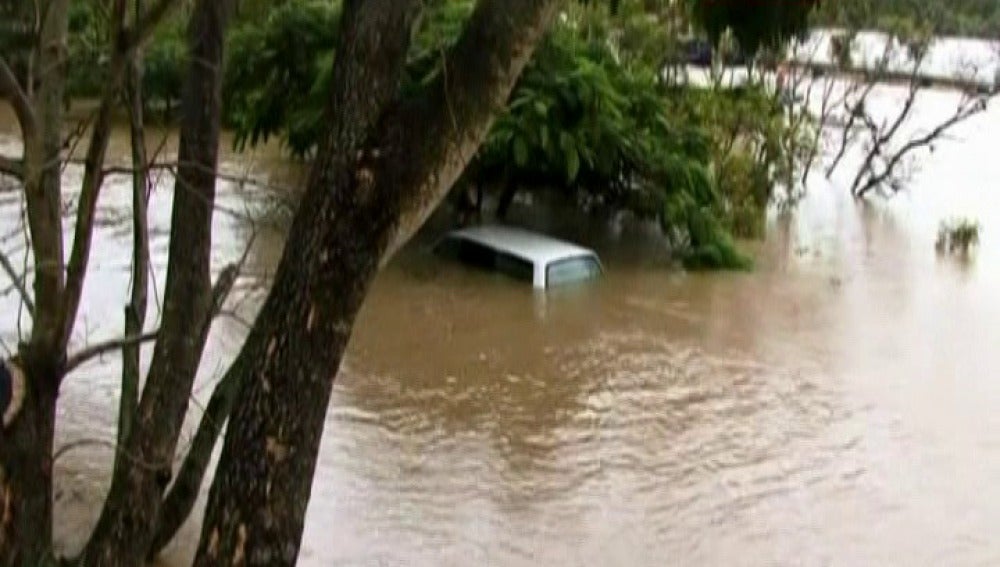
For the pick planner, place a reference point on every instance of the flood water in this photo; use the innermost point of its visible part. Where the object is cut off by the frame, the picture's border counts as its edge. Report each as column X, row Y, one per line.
column 836, row 406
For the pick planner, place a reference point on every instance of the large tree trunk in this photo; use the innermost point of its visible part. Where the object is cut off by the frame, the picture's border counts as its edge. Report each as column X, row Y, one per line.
column 128, row 522
column 26, row 446
column 26, row 473
column 359, row 206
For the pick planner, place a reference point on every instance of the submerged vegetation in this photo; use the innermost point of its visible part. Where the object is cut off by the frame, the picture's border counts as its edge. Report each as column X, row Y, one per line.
column 957, row 236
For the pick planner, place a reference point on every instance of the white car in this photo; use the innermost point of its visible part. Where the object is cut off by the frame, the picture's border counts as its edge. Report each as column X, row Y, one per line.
column 544, row 261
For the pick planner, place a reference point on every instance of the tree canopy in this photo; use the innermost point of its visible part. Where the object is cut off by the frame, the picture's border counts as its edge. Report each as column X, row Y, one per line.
column 592, row 115
column 754, row 23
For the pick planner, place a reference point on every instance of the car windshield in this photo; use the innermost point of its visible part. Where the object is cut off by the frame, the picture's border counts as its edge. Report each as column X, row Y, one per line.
column 572, row 270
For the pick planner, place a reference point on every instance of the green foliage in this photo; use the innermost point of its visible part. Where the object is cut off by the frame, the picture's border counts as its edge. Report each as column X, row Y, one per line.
column 89, row 49
column 277, row 74
column 591, row 115
column 165, row 65
column 88, row 45
column 590, row 118
column 16, row 34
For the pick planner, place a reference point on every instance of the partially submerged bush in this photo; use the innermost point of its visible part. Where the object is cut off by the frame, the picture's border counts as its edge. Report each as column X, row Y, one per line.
column 957, row 235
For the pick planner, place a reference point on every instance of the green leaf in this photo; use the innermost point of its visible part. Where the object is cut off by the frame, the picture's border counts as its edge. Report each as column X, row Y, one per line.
column 572, row 164
column 566, row 141
column 520, row 152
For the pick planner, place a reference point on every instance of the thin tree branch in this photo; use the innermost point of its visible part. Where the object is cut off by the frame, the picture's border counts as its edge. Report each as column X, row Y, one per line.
column 135, row 311
column 963, row 114
column 93, row 179
column 74, row 361
column 172, row 167
column 881, row 136
column 18, row 282
column 83, row 443
column 11, row 90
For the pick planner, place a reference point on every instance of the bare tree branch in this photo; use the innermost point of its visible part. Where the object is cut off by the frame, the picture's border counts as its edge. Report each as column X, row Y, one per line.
column 74, row 361
column 76, row 269
column 135, row 311
column 11, row 90
column 84, row 443
column 877, row 179
column 18, row 283
column 171, row 167
column 880, row 136
column 75, row 136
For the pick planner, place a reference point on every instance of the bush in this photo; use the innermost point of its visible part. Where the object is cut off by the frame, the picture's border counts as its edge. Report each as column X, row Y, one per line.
column 958, row 235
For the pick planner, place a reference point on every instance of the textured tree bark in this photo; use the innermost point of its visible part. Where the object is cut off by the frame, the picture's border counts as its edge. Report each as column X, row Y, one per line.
column 360, row 205
column 42, row 186
column 26, row 444
column 26, row 475
column 179, row 501
column 127, row 524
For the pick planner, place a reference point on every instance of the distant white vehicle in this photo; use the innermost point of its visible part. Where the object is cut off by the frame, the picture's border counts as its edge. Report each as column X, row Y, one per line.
column 528, row 256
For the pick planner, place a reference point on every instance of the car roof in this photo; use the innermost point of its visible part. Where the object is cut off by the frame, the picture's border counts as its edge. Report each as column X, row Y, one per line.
column 525, row 244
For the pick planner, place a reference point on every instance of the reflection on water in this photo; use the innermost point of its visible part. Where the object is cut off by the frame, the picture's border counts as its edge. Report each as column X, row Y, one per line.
column 836, row 406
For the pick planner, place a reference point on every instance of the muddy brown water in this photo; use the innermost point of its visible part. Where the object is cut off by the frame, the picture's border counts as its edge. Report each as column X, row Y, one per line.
column 837, row 406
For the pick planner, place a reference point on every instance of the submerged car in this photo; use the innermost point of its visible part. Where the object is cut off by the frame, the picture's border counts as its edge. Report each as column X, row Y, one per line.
column 525, row 255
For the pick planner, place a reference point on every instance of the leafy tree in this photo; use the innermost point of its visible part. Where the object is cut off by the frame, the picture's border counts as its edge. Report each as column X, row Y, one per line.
column 592, row 113
column 279, row 73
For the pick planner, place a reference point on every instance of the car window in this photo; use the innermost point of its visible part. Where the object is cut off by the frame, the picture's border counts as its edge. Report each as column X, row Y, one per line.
column 572, row 270
column 487, row 258
column 515, row 267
